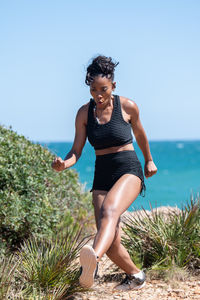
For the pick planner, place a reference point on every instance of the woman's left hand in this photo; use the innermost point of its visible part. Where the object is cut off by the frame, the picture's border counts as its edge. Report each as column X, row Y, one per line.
column 150, row 169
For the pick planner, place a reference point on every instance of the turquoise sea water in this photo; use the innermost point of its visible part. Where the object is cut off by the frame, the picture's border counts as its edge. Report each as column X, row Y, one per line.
column 178, row 174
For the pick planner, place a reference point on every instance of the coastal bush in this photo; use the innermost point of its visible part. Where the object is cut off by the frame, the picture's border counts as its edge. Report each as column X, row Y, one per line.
column 51, row 264
column 156, row 241
column 44, row 268
column 8, row 268
column 34, row 198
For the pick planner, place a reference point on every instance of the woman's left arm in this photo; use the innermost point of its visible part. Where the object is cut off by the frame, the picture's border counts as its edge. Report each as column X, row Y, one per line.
column 150, row 168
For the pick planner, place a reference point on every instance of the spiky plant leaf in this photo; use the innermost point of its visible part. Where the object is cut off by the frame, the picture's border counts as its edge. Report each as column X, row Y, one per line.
column 51, row 265
column 159, row 240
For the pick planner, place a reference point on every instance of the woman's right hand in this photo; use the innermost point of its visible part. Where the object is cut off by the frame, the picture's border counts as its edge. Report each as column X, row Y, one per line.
column 58, row 164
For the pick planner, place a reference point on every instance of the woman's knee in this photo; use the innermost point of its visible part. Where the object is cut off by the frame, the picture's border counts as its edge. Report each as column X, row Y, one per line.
column 107, row 216
column 109, row 213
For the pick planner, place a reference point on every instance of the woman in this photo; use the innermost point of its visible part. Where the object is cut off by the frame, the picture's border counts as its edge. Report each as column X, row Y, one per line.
column 107, row 121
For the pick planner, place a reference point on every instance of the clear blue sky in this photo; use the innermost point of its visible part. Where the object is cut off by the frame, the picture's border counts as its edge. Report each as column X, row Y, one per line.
column 45, row 47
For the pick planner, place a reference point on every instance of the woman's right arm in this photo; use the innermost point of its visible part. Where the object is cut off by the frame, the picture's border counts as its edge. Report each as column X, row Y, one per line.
column 79, row 141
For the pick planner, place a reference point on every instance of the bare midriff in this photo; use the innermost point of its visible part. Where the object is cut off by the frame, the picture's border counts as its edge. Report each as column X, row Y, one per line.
column 114, row 149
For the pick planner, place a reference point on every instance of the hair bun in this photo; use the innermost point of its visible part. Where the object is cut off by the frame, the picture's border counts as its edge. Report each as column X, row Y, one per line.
column 101, row 65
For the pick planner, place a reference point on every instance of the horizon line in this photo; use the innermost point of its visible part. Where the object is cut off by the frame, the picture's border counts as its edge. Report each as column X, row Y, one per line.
column 150, row 140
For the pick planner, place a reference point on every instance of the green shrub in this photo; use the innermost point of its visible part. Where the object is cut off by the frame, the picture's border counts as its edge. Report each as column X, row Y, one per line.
column 33, row 197
column 157, row 241
column 44, row 268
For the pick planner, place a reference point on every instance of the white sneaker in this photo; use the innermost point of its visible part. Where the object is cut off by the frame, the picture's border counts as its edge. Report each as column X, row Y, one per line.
column 136, row 282
column 88, row 261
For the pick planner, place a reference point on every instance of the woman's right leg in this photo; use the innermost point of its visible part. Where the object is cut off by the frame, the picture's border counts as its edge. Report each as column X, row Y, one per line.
column 117, row 252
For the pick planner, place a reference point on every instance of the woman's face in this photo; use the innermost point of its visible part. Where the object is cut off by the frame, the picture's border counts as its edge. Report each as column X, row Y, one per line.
column 101, row 90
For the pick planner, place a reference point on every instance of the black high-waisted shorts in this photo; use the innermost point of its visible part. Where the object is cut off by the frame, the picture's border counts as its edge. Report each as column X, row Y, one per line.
column 110, row 167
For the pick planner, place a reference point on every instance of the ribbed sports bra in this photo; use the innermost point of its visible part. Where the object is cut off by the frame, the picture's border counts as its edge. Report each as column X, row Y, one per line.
column 116, row 132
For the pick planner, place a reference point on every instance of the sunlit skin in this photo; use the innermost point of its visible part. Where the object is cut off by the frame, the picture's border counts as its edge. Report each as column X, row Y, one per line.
column 108, row 206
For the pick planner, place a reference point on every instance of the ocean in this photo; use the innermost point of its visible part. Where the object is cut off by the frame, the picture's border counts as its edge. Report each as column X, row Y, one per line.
column 177, row 179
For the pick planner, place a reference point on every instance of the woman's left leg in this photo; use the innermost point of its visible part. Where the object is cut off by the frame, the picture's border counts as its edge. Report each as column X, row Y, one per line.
column 117, row 252
column 116, row 202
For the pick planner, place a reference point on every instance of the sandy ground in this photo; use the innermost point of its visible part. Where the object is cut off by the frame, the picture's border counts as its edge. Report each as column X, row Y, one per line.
column 155, row 289
column 187, row 287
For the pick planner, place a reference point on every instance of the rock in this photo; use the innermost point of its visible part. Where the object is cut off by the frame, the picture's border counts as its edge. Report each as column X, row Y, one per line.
column 177, row 291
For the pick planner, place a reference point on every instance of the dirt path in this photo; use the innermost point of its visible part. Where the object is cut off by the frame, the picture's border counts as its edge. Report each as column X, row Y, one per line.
column 187, row 287
column 109, row 277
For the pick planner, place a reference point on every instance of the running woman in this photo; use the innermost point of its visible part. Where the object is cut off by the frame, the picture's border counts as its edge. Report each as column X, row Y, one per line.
column 108, row 121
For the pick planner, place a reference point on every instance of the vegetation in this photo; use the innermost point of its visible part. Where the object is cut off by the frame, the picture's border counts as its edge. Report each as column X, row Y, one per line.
column 34, row 198
column 156, row 241
column 43, row 269
column 42, row 227
column 42, row 219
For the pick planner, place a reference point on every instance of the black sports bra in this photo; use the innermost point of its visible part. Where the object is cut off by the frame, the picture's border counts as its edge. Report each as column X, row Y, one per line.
column 116, row 132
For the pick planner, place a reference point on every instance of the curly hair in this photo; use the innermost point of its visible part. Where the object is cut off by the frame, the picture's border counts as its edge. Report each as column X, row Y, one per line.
column 101, row 65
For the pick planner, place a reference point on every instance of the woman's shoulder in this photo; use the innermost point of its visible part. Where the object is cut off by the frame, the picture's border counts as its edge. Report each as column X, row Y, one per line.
column 128, row 105
column 84, row 107
column 83, row 112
